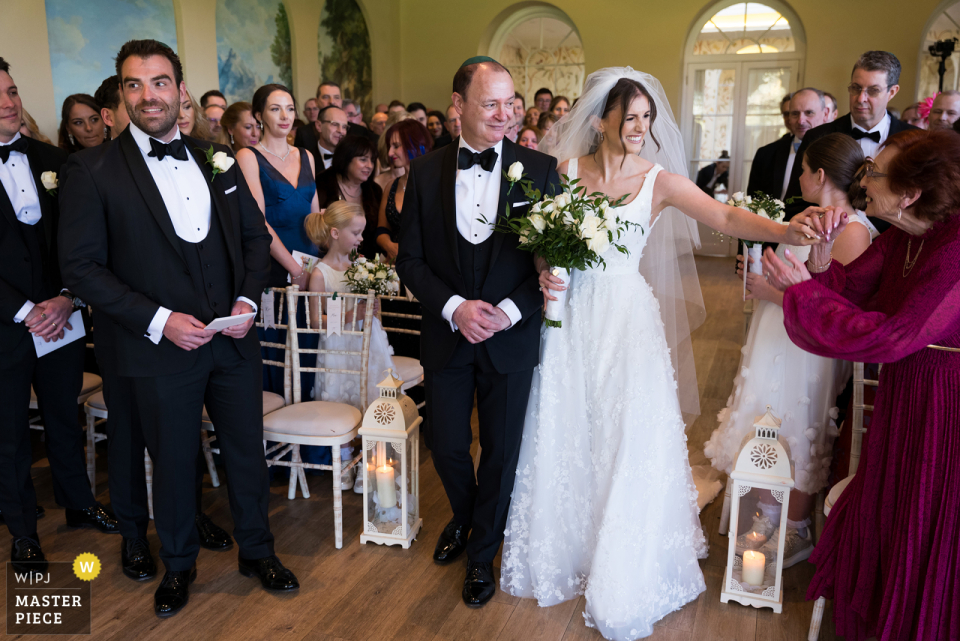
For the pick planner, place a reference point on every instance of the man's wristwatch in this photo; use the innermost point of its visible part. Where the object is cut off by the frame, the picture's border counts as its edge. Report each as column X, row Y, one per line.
column 77, row 303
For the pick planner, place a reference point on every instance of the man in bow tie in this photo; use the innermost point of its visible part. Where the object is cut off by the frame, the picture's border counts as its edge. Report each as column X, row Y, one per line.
column 873, row 84
column 162, row 241
column 481, row 311
column 773, row 163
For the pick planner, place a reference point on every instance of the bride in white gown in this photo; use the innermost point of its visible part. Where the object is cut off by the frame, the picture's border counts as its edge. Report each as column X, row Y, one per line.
column 604, row 503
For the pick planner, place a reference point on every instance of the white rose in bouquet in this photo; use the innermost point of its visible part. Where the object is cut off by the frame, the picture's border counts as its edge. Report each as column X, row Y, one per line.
column 539, row 222
column 381, row 275
column 606, row 211
column 548, row 206
column 535, row 209
column 362, row 260
column 562, row 200
column 569, row 220
column 593, row 230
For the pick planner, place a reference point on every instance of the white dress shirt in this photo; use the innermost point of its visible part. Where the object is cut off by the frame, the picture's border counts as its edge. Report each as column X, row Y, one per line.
column 790, row 160
column 186, row 196
column 477, row 194
column 868, row 146
column 323, row 157
column 22, row 192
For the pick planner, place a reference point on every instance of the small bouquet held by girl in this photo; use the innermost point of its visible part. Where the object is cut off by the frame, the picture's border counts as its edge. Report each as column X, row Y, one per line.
column 571, row 230
column 375, row 274
column 761, row 205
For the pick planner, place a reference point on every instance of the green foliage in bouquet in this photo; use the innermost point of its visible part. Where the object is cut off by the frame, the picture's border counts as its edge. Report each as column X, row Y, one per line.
column 762, row 205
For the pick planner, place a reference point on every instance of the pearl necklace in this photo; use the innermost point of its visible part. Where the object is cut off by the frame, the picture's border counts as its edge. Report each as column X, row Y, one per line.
column 282, row 158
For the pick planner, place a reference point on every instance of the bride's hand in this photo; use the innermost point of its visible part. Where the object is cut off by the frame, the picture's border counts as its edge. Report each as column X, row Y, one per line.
column 547, row 282
column 802, row 231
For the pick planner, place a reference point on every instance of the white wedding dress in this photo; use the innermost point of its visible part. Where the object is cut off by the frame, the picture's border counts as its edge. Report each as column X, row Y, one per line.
column 604, row 503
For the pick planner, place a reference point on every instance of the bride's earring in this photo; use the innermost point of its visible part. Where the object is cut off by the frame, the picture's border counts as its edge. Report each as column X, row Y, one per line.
column 601, row 136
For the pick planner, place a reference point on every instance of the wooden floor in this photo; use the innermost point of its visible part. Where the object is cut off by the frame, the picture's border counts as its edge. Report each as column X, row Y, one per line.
column 369, row 592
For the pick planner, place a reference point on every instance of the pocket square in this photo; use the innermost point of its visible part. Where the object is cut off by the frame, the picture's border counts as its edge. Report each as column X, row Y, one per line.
column 230, row 191
column 525, row 202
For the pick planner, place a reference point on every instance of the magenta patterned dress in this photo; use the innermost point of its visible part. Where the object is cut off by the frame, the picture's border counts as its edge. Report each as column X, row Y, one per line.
column 889, row 556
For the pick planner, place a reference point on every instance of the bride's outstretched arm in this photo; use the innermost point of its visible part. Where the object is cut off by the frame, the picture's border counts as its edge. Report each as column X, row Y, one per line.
column 672, row 190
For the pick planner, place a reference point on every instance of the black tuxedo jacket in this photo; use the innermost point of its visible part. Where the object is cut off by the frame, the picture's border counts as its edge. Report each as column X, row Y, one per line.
column 704, row 176
column 27, row 274
column 120, row 253
column 769, row 166
column 429, row 259
column 841, row 125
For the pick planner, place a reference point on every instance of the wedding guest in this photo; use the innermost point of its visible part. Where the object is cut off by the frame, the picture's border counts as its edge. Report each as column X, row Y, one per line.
column 354, row 114
column 419, row 112
column 213, row 97
column 435, row 120
column 80, row 124
column 513, row 129
column 328, row 93
column 831, row 106
column 559, row 106
column 211, row 259
column 452, row 123
column 542, row 99
column 35, row 304
column 773, row 163
column 310, row 110
column 333, row 127
column 378, row 123
column 546, row 121
column 408, row 140
column 292, row 135
column 109, row 101
column 213, row 114
column 873, row 83
column 350, row 178
column 888, row 554
column 28, row 127
column 396, row 105
column 911, row 116
column 531, row 117
column 387, row 171
column 801, row 387
column 382, row 108
column 529, row 137
column 785, row 112
column 191, row 121
column 519, row 107
column 711, row 177
column 945, row 110
column 238, row 127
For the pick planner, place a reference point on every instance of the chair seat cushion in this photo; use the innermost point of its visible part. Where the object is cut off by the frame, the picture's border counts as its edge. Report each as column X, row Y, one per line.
column 834, row 494
column 313, row 418
column 271, row 403
column 409, row 370
column 96, row 401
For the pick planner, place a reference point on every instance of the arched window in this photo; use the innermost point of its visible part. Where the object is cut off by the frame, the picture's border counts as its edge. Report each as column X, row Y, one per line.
column 541, row 47
column 944, row 25
column 740, row 61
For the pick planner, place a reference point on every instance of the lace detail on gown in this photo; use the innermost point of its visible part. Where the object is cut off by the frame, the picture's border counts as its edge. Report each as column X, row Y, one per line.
column 604, row 502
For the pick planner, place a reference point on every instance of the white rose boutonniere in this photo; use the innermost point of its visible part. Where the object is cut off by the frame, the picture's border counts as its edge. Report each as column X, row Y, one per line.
column 219, row 161
column 515, row 172
column 50, row 182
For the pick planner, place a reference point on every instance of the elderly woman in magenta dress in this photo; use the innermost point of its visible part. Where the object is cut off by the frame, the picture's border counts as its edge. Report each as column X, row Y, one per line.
column 889, row 556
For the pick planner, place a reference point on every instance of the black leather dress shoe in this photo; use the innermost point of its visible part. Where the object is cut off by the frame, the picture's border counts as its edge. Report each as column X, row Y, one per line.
column 270, row 571
column 174, row 592
column 451, row 543
column 96, row 516
column 212, row 536
column 136, row 560
column 26, row 555
column 479, row 586
column 40, row 513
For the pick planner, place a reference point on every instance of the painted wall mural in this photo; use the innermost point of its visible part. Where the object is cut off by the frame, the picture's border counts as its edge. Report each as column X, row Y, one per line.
column 253, row 46
column 86, row 36
column 344, row 52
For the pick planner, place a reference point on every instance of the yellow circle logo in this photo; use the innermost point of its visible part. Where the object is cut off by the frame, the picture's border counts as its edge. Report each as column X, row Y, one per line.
column 86, row 566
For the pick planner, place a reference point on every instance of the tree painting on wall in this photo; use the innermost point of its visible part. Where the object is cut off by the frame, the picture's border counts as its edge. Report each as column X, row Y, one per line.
column 344, row 52
column 253, row 46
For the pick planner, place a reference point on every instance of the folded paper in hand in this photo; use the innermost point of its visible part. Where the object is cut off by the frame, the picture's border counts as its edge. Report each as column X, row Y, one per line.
column 69, row 335
column 228, row 321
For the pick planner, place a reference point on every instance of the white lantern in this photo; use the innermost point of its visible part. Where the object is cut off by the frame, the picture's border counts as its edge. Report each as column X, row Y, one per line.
column 391, row 467
column 762, row 481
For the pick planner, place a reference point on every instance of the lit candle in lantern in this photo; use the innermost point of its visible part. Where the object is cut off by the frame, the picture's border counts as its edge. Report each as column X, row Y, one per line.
column 753, row 566
column 386, row 486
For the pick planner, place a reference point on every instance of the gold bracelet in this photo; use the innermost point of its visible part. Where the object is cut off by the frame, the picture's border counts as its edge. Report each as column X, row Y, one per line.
column 819, row 269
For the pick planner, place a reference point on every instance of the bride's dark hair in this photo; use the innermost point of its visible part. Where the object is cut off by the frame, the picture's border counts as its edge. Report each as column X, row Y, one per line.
column 622, row 94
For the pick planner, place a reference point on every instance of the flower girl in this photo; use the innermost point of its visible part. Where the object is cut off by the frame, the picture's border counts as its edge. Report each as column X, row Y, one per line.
column 801, row 387
column 339, row 230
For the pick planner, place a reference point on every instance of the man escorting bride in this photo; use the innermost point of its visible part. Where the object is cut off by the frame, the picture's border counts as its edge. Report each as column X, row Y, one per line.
column 604, row 503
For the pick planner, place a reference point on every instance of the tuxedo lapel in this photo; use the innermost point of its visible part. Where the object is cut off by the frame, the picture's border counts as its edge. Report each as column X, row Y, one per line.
column 46, row 201
column 6, row 207
column 509, row 157
column 219, row 201
column 448, row 198
column 780, row 159
column 148, row 189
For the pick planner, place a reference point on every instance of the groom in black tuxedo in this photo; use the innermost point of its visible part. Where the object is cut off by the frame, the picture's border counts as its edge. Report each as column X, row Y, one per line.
column 162, row 241
column 480, row 332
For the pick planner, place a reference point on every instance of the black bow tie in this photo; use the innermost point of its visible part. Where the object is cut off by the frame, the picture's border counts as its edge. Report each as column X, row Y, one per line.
column 327, row 156
column 860, row 133
column 20, row 144
column 175, row 149
column 487, row 159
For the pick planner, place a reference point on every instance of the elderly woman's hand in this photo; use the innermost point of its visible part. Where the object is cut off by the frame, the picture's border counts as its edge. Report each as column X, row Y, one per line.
column 781, row 275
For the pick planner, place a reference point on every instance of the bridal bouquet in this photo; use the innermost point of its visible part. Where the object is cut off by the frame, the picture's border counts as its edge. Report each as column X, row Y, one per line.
column 375, row 274
column 571, row 230
column 761, row 205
